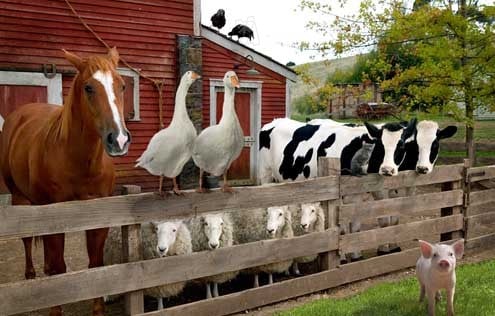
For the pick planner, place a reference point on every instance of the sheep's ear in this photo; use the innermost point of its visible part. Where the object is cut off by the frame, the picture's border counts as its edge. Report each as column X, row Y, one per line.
column 426, row 248
column 458, row 248
column 154, row 224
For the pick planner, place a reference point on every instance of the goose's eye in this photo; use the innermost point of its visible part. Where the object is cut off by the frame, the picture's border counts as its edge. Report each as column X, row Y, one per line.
column 221, row 224
column 312, row 211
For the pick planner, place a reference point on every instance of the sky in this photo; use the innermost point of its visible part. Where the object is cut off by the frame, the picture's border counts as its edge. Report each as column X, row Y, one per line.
column 277, row 25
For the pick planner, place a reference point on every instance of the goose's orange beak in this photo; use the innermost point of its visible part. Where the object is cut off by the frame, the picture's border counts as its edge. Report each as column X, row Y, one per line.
column 195, row 76
column 235, row 81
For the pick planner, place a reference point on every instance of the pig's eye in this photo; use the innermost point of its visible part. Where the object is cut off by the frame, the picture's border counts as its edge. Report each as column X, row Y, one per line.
column 451, row 254
column 435, row 255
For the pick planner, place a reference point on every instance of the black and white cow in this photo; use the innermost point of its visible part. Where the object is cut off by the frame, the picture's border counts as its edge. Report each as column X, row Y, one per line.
column 422, row 152
column 289, row 150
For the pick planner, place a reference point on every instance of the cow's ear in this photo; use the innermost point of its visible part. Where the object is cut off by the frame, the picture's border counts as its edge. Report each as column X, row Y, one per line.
column 372, row 130
column 411, row 127
column 447, row 132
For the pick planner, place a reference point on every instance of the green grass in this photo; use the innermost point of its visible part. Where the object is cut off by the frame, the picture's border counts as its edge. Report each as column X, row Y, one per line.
column 475, row 295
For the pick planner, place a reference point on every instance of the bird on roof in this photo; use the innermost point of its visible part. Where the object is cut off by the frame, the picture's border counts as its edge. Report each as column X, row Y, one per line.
column 241, row 30
column 218, row 19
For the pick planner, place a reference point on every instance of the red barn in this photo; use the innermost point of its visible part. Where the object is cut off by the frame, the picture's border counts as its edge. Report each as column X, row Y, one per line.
column 162, row 39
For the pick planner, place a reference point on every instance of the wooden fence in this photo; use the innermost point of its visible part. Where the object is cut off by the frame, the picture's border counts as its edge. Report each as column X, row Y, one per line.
column 463, row 196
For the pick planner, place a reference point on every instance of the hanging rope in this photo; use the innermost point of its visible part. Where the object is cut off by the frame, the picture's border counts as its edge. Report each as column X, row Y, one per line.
column 157, row 83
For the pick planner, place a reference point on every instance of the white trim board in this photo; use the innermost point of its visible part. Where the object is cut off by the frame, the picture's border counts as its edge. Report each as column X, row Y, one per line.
column 255, row 89
column 197, row 17
column 19, row 78
column 243, row 51
column 130, row 73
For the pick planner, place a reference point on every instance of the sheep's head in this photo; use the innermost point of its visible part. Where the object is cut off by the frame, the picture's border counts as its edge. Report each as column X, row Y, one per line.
column 166, row 233
column 309, row 215
column 276, row 217
column 213, row 229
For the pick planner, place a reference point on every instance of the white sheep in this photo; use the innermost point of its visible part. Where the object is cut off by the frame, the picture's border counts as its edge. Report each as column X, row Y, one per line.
column 278, row 225
column 312, row 219
column 159, row 239
column 209, row 232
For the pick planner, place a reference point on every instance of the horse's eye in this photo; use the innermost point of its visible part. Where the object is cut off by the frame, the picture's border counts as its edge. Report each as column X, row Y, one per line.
column 88, row 88
column 123, row 87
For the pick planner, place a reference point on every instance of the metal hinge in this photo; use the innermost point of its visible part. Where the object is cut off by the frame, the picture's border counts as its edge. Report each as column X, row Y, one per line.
column 248, row 141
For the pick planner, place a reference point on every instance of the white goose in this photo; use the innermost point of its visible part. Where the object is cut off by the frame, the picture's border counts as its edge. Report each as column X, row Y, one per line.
column 170, row 149
column 219, row 145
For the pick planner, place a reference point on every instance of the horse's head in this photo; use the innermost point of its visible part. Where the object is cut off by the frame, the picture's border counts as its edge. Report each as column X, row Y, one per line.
column 100, row 90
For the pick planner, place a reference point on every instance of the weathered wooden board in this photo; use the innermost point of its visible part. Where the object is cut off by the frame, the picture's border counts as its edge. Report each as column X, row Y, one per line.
column 479, row 225
column 481, row 242
column 375, row 182
column 482, row 197
column 401, row 206
column 392, row 234
column 473, row 210
column 21, row 221
column 81, row 285
column 280, row 291
column 481, row 173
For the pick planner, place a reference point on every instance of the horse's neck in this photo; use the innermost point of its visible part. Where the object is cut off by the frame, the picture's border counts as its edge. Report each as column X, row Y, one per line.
column 80, row 141
column 228, row 110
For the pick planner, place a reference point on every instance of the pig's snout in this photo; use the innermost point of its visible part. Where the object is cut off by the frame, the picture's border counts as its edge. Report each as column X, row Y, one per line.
column 444, row 264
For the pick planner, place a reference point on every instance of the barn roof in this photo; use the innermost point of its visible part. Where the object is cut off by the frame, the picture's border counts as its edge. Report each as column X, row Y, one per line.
column 244, row 50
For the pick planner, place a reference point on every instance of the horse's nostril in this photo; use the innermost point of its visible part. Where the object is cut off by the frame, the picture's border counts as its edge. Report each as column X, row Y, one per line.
column 110, row 138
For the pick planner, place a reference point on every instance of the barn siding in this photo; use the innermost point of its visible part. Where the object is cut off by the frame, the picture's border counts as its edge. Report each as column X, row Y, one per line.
column 32, row 33
column 218, row 60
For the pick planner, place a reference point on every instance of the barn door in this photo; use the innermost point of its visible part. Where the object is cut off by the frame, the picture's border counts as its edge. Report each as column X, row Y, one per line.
column 19, row 88
column 240, row 172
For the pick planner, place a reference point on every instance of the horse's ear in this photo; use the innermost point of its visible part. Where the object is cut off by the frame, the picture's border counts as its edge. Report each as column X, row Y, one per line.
column 75, row 60
column 113, row 54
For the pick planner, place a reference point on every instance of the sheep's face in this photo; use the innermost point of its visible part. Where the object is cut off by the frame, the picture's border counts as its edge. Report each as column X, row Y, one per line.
column 213, row 229
column 275, row 219
column 308, row 215
column 166, row 233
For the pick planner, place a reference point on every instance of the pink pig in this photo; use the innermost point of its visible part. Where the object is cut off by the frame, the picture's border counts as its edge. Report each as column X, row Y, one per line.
column 435, row 270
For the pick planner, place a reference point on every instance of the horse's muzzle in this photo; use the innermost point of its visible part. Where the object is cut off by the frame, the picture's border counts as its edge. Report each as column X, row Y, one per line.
column 117, row 143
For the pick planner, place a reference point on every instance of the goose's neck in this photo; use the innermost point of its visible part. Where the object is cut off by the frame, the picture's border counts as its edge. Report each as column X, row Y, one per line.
column 180, row 110
column 228, row 105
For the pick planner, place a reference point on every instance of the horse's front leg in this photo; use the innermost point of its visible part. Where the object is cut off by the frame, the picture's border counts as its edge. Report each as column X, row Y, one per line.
column 53, row 249
column 95, row 242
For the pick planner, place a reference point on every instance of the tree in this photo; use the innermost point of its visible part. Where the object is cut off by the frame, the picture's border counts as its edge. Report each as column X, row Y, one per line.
column 449, row 44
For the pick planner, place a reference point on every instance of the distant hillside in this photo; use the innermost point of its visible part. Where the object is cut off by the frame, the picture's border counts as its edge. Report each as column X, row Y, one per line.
column 320, row 70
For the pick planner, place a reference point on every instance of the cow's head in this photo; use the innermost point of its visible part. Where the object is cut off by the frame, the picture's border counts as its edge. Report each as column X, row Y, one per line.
column 390, row 146
column 427, row 139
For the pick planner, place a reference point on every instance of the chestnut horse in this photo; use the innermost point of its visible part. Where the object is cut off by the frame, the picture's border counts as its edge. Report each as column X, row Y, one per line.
column 52, row 154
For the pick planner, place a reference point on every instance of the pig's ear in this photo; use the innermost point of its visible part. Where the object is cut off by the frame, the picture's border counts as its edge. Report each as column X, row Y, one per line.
column 426, row 248
column 458, row 247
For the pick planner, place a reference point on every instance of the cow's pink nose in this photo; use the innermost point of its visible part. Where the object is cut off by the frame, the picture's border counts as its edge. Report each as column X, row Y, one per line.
column 444, row 264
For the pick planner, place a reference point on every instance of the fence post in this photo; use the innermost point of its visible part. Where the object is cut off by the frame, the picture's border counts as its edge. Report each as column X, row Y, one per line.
column 447, row 211
column 330, row 167
column 132, row 251
column 467, row 191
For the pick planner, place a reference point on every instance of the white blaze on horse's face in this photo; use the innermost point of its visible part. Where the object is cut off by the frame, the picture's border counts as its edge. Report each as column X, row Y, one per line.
column 106, row 80
column 275, row 219
column 213, row 229
column 308, row 215
column 390, row 141
column 166, row 233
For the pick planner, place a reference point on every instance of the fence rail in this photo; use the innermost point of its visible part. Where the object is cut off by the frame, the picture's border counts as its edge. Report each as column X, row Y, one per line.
column 465, row 204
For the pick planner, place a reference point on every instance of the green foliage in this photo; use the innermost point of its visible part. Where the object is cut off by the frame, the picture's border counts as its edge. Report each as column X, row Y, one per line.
column 433, row 56
column 474, row 296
